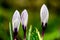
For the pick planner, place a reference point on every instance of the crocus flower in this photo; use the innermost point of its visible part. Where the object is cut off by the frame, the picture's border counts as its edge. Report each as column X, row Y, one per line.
column 44, row 15
column 24, row 20
column 16, row 23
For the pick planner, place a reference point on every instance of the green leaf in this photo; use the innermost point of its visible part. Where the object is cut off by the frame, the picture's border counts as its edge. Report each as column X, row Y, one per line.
column 29, row 34
column 33, row 34
column 10, row 31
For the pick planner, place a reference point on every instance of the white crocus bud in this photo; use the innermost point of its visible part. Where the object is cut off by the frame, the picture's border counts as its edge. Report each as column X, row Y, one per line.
column 16, row 20
column 44, row 14
column 24, row 18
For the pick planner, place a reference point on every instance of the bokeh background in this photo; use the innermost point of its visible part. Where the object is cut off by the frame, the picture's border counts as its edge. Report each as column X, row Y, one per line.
column 8, row 7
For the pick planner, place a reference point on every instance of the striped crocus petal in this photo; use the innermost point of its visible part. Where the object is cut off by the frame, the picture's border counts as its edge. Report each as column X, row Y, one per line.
column 16, row 21
column 44, row 14
column 24, row 18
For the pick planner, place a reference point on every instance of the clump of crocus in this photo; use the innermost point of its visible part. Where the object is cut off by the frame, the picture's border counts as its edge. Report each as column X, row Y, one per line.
column 44, row 15
column 24, row 20
column 15, row 24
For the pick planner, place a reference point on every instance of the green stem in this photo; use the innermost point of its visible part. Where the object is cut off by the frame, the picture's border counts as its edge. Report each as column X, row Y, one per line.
column 10, row 31
column 29, row 34
column 40, row 38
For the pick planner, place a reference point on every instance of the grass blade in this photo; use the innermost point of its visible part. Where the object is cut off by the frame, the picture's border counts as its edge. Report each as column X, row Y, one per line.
column 10, row 31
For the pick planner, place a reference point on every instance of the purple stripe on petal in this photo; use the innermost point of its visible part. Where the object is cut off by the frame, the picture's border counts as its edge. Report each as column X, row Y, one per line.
column 15, row 33
column 24, row 29
column 43, row 28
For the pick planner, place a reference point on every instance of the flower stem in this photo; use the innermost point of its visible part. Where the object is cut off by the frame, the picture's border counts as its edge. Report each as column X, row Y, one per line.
column 43, row 29
column 15, row 34
column 24, row 29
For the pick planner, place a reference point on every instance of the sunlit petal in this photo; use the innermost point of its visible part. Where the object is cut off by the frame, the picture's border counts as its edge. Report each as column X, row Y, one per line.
column 24, row 17
column 44, row 14
column 16, row 20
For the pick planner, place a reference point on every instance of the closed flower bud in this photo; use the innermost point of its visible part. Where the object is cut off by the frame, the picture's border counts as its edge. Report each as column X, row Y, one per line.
column 16, row 21
column 24, row 18
column 24, row 21
column 44, row 14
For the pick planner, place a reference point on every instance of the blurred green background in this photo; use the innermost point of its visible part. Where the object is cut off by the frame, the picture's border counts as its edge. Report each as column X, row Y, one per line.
column 8, row 7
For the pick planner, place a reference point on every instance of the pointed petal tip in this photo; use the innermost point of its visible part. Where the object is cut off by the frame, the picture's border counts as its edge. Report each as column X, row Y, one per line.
column 16, row 15
column 25, row 12
column 44, row 6
column 44, row 10
column 16, row 12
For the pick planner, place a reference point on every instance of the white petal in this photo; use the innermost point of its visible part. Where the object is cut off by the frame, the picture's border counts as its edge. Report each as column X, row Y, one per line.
column 24, row 17
column 44, row 14
column 16, row 20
